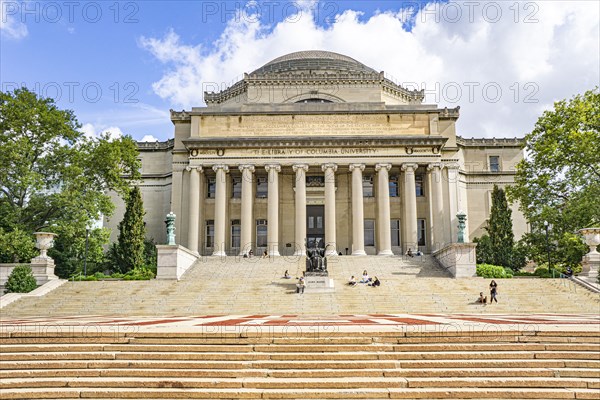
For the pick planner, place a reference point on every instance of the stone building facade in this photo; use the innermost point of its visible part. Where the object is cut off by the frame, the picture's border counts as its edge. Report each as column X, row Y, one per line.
column 316, row 147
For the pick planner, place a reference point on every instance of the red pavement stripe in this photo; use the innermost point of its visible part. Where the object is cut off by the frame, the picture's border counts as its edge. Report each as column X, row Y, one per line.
column 156, row 322
column 225, row 322
column 413, row 321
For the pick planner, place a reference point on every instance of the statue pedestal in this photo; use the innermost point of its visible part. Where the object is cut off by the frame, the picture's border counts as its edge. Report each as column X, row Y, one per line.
column 591, row 261
column 43, row 270
column 318, row 283
column 590, row 265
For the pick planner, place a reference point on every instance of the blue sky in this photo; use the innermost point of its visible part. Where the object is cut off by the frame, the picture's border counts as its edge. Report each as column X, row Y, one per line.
column 121, row 65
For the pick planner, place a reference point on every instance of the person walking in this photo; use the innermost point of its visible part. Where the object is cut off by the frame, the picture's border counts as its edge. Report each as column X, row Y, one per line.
column 493, row 291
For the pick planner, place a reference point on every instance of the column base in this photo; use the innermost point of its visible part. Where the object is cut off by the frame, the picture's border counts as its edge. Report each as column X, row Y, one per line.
column 274, row 253
column 359, row 253
column 300, row 253
column 219, row 254
column 385, row 253
column 330, row 253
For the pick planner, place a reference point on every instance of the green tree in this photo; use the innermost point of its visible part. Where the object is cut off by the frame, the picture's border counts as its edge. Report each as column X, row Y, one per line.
column 132, row 233
column 559, row 179
column 20, row 280
column 500, row 229
column 16, row 246
column 53, row 177
column 497, row 247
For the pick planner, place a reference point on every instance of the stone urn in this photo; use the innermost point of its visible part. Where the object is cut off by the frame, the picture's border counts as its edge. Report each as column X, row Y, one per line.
column 44, row 241
column 591, row 261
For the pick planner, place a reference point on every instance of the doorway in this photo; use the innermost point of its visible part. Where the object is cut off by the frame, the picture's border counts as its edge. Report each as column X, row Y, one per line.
column 315, row 226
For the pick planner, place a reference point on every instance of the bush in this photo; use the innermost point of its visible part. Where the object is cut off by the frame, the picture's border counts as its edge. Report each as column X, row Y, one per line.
column 492, row 271
column 543, row 273
column 20, row 280
column 139, row 274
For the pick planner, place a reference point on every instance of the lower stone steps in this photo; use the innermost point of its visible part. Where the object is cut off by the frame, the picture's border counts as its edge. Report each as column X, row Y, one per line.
column 393, row 393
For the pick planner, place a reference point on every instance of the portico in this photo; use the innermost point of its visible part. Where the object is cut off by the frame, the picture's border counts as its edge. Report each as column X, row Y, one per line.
column 317, row 147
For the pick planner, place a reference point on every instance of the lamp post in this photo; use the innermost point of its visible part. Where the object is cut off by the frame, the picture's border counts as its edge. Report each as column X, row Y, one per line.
column 546, row 226
column 87, row 236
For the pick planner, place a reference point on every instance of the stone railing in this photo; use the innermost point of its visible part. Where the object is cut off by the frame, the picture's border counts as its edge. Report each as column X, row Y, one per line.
column 458, row 259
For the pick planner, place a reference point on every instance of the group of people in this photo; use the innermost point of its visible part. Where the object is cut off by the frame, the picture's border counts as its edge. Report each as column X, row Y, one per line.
column 493, row 292
column 365, row 279
column 410, row 253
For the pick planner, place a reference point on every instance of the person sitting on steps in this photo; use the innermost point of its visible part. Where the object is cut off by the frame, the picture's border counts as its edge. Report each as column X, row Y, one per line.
column 300, row 285
column 352, row 281
column 375, row 282
column 365, row 277
column 482, row 299
column 286, row 275
column 409, row 253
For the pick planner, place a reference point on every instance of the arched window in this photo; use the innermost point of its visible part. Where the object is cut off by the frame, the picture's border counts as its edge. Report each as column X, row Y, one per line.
column 314, row 100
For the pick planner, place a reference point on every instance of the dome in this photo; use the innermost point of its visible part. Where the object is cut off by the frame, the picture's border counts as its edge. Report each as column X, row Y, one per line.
column 313, row 60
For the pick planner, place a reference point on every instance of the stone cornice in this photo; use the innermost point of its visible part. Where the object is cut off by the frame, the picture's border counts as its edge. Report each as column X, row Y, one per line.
column 493, row 142
column 291, row 79
column 336, row 141
column 155, row 146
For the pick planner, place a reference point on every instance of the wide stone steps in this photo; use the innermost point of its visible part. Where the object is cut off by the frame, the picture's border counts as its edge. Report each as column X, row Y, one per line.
column 248, row 287
column 344, row 365
column 248, row 393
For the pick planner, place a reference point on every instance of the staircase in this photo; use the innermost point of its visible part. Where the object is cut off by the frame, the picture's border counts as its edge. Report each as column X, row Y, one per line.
column 232, row 285
column 301, row 365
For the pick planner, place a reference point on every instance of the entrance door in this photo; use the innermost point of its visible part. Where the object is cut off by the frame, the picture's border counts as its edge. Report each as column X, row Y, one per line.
column 315, row 226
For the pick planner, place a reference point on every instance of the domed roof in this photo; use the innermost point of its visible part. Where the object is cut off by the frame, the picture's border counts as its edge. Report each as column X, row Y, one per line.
column 313, row 60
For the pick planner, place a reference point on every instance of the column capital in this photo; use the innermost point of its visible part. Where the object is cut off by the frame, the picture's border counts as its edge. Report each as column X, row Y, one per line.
column 434, row 166
column 196, row 167
column 246, row 166
column 297, row 167
column 329, row 166
column 357, row 166
column 275, row 167
column 452, row 165
column 381, row 166
column 409, row 167
column 224, row 167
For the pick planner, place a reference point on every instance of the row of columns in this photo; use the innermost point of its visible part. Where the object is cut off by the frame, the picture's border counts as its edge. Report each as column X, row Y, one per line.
column 273, row 170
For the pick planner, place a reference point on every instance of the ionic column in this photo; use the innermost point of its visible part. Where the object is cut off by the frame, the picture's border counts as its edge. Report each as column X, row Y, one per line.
column 437, row 206
column 410, row 207
column 273, row 209
column 300, row 231
column 383, row 209
column 194, row 207
column 330, row 239
column 220, row 208
column 452, row 170
column 358, row 221
column 246, row 219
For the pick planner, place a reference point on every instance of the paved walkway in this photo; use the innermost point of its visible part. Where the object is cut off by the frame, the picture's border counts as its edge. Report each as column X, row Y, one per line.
column 292, row 320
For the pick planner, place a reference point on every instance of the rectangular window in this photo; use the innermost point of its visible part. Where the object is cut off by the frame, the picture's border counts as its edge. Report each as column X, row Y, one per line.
column 421, row 231
column 494, row 163
column 369, row 232
column 236, row 189
column 393, row 186
column 419, row 188
column 367, row 186
column 210, row 233
column 395, row 226
column 262, row 187
column 211, row 188
column 236, row 231
column 261, row 233
column 319, row 222
column 311, row 222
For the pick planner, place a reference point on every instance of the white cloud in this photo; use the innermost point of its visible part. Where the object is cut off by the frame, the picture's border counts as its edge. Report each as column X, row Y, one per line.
column 535, row 53
column 149, row 138
column 10, row 25
column 92, row 131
